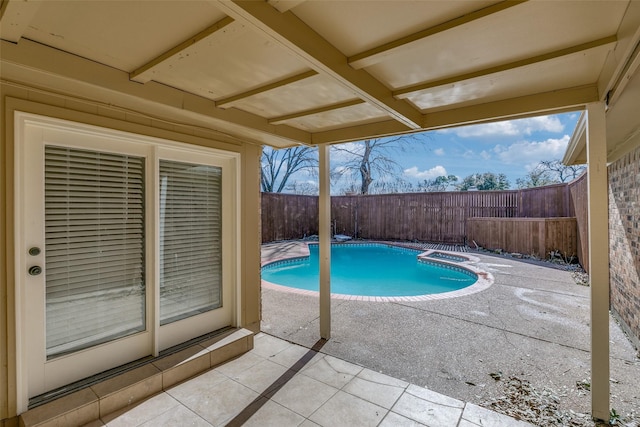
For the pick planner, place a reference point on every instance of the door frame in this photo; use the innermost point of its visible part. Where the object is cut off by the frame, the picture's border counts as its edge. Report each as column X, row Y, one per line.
column 231, row 163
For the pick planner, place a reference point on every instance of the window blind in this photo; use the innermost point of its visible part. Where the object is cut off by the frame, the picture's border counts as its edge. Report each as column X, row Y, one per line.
column 190, row 239
column 94, row 240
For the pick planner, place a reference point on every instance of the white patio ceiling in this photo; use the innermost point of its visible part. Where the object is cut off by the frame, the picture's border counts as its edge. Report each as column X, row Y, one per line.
column 284, row 72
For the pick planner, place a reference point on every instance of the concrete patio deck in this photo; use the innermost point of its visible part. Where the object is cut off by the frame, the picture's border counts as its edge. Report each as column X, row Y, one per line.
column 532, row 324
column 423, row 363
column 282, row 384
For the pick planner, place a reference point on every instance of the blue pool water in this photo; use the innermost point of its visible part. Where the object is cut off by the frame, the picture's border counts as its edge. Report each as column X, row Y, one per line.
column 370, row 270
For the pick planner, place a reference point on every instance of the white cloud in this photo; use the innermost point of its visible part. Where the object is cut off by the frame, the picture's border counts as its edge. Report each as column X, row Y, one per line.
column 518, row 127
column 439, row 151
column 432, row 173
column 532, row 151
column 469, row 154
column 485, row 155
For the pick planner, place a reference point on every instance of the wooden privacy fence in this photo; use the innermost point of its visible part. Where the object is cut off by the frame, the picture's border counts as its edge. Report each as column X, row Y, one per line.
column 544, row 202
column 579, row 209
column 528, row 236
column 430, row 217
column 288, row 216
column 433, row 217
column 437, row 217
column 539, row 236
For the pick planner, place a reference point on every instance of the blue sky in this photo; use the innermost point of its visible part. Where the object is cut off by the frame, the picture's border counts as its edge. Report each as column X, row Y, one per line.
column 512, row 147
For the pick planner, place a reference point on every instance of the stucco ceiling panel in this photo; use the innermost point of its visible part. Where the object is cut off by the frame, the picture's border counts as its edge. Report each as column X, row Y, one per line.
column 121, row 34
column 307, row 94
column 226, row 63
column 523, row 31
column 540, row 78
column 334, row 119
column 353, row 28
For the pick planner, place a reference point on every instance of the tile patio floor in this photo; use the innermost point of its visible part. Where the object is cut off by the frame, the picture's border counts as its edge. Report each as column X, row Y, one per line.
column 283, row 384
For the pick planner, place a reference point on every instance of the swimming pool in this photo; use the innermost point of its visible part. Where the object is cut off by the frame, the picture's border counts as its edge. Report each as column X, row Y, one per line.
column 372, row 269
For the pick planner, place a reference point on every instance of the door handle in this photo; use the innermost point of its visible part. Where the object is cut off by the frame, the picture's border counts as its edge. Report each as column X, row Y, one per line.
column 35, row 270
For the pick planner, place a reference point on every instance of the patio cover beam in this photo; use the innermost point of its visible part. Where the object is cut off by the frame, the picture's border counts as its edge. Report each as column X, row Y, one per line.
column 383, row 52
column 557, row 101
column 359, row 132
column 617, row 62
column 28, row 61
column 287, row 30
column 407, row 91
column 284, row 5
column 628, row 70
column 144, row 74
column 15, row 16
column 324, row 241
column 226, row 102
column 598, row 214
column 618, row 70
column 323, row 109
column 560, row 100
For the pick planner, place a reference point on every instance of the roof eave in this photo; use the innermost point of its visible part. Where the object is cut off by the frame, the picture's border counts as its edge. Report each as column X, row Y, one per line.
column 576, row 149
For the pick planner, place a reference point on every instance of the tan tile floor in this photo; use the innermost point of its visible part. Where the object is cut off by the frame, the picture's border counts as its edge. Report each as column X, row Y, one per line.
column 282, row 384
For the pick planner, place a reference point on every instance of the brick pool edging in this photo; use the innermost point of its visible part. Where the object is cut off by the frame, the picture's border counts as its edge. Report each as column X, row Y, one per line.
column 441, row 257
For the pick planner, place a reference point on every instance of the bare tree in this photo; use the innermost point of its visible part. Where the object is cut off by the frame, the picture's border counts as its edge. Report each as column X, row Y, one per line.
column 538, row 177
column 303, row 188
column 562, row 172
column 394, row 185
column 549, row 172
column 369, row 159
column 279, row 165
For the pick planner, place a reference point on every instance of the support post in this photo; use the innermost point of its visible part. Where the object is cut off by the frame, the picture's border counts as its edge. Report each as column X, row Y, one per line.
column 324, row 237
column 598, row 258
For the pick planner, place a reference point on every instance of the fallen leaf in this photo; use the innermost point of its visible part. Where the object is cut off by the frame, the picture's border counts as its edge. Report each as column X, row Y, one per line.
column 496, row 375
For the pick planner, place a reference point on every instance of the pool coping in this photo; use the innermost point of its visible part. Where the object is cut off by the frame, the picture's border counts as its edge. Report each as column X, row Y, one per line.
column 485, row 279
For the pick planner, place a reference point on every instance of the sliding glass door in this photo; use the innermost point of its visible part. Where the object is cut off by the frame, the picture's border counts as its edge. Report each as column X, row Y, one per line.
column 190, row 240
column 94, row 246
column 126, row 247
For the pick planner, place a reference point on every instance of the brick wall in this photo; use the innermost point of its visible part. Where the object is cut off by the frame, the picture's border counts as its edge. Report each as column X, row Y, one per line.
column 624, row 236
